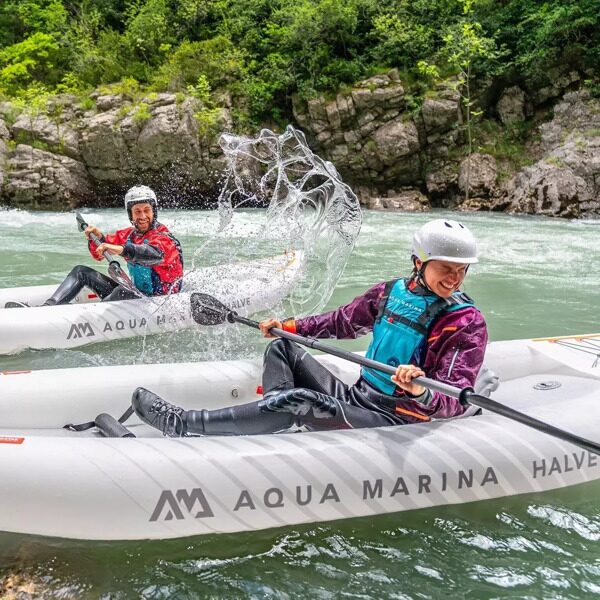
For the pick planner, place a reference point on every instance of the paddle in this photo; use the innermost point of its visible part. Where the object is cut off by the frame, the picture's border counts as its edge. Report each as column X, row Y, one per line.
column 114, row 268
column 207, row 310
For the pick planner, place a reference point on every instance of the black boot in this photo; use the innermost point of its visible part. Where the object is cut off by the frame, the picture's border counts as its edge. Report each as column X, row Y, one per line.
column 159, row 413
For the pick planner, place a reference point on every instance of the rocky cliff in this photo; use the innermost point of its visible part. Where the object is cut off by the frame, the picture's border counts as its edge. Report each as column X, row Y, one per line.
column 396, row 151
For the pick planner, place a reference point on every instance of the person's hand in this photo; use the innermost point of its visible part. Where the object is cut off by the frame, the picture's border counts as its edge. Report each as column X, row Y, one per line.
column 403, row 379
column 110, row 248
column 265, row 325
column 91, row 229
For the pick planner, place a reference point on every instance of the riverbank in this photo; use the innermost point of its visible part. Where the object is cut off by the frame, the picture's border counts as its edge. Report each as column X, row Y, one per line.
column 535, row 152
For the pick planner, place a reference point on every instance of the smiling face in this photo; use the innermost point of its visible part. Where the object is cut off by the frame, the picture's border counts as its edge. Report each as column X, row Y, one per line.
column 142, row 216
column 443, row 277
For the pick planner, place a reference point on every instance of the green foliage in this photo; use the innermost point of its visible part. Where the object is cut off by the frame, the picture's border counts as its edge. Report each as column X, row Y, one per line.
column 264, row 51
column 141, row 113
column 28, row 61
column 201, row 90
column 216, row 59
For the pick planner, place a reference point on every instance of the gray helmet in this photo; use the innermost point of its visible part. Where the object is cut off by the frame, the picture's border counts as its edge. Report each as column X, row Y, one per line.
column 443, row 239
column 141, row 194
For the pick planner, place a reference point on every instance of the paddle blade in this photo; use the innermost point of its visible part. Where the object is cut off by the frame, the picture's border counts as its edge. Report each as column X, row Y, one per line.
column 116, row 274
column 207, row 310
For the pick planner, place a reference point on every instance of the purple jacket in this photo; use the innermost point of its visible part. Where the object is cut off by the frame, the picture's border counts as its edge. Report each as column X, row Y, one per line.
column 454, row 353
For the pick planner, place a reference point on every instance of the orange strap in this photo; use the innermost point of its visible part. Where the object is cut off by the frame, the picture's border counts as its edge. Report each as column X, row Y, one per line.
column 410, row 413
column 435, row 337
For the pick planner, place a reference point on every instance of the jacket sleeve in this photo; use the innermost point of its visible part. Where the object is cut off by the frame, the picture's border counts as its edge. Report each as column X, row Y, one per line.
column 347, row 322
column 118, row 237
column 142, row 254
column 162, row 244
column 454, row 355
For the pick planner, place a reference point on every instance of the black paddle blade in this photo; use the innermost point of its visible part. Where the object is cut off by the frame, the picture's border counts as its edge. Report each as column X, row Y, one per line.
column 116, row 274
column 207, row 310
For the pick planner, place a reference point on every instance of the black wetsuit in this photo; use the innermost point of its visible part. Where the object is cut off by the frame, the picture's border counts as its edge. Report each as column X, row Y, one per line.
column 107, row 289
column 299, row 393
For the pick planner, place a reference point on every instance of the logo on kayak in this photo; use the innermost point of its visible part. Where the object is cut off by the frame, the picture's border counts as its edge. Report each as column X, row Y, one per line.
column 79, row 330
column 175, row 503
column 238, row 303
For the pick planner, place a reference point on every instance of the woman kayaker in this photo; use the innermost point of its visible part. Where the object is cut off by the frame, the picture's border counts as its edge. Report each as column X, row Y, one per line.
column 153, row 255
column 422, row 325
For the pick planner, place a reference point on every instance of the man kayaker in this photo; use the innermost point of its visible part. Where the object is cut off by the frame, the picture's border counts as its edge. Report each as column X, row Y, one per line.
column 422, row 325
column 153, row 255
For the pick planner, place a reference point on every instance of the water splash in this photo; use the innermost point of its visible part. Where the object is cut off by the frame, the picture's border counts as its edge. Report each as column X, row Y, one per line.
column 311, row 213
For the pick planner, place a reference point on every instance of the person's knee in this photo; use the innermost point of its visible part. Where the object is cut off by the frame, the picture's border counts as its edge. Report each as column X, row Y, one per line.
column 281, row 347
column 80, row 271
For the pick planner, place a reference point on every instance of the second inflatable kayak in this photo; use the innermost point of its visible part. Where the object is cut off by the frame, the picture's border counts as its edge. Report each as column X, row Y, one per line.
column 245, row 287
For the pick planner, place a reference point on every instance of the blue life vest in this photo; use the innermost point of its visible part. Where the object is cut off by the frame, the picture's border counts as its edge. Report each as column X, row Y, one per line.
column 141, row 276
column 402, row 325
column 145, row 278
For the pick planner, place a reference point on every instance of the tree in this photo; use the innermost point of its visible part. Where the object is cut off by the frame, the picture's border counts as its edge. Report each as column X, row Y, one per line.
column 465, row 44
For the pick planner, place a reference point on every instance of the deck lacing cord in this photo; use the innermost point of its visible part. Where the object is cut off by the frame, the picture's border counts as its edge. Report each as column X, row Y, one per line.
column 589, row 346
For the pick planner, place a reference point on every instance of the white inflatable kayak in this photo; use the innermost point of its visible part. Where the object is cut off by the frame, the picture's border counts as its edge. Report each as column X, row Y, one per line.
column 246, row 287
column 84, row 486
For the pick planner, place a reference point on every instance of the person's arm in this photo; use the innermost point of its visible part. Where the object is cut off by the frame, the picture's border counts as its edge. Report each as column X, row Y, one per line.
column 456, row 348
column 347, row 322
column 143, row 254
column 93, row 246
column 160, row 251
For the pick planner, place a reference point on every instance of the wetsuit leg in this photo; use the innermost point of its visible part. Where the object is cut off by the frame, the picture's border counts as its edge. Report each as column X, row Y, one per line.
column 292, row 409
column 286, row 366
column 314, row 411
column 235, row 420
column 293, row 380
column 80, row 277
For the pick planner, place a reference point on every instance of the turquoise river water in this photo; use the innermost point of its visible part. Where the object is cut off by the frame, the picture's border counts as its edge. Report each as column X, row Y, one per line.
column 537, row 277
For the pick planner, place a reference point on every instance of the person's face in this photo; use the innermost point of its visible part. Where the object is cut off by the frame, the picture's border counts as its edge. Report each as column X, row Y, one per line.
column 142, row 216
column 442, row 277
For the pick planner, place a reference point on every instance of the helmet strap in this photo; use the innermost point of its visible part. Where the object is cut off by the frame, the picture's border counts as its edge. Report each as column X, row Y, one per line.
column 418, row 274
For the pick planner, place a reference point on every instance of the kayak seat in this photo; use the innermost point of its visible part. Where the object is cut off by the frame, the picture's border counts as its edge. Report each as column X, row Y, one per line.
column 487, row 382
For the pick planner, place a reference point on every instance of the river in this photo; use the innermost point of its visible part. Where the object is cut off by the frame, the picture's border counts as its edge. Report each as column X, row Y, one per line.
column 537, row 277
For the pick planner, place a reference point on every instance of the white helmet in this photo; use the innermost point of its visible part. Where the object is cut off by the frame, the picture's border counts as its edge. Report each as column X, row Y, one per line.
column 443, row 239
column 140, row 194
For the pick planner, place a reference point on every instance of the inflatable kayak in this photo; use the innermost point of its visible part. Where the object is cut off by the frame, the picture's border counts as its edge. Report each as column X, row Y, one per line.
column 246, row 287
column 86, row 486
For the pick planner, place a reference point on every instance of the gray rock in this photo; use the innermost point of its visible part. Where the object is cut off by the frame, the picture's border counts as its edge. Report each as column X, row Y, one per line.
column 547, row 189
column 4, row 132
column 56, row 135
column 559, row 82
column 396, row 139
column 411, row 200
column 3, row 161
column 478, row 173
column 440, row 115
column 39, row 179
column 511, row 106
column 442, row 179
column 109, row 101
column 333, row 115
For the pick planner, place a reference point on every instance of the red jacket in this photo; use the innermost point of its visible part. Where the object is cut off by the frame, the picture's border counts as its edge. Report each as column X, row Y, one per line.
column 165, row 258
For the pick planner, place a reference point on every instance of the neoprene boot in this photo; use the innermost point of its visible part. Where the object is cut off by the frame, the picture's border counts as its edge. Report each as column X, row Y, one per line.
column 244, row 419
column 158, row 413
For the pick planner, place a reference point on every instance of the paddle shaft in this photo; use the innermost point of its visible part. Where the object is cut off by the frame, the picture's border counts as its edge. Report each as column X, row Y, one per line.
column 114, row 267
column 466, row 395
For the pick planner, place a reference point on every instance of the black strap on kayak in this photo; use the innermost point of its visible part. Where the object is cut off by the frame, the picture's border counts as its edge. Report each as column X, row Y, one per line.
column 107, row 424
